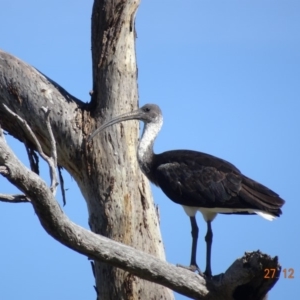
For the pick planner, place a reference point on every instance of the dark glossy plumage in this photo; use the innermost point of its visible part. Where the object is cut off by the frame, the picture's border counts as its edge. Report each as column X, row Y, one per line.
column 198, row 181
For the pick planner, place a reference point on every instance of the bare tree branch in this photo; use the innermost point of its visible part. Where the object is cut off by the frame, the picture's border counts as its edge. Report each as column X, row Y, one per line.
column 33, row 159
column 27, row 128
column 26, row 100
column 62, row 185
column 14, row 198
column 240, row 277
column 52, row 161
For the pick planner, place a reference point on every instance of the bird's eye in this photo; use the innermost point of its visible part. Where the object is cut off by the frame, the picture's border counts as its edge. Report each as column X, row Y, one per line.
column 147, row 109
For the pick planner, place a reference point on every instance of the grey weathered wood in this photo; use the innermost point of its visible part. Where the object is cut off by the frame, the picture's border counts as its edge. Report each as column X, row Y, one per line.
column 13, row 198
column 244, row 279
column 96, row 246
column 118, row 197
column 126, row 212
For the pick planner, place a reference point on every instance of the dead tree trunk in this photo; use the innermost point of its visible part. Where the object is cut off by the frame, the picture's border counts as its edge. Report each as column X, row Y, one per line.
column 117, row 194
column 47, row 119
column 120, row 204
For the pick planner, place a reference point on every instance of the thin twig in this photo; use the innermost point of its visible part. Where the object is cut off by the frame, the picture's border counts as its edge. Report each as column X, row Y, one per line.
column 50, row 160
column 62, row 185
column 53, row 158
column 14, row 198
column 30, row 132
column 33, row 159
column 52, row 139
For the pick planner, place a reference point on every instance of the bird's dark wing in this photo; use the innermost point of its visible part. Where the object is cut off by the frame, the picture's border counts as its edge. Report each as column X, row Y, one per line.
column 201, row 180
column 254, row 192
column 199, row 186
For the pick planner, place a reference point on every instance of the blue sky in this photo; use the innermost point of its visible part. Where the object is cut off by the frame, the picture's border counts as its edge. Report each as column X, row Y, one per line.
column 226, row 75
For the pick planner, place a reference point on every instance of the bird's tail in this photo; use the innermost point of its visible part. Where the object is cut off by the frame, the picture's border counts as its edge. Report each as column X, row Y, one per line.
column 267, row 202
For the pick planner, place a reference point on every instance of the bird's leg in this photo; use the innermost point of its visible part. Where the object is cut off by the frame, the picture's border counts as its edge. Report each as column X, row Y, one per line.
column 208, row 239
column 194, row 232
column 193, row 266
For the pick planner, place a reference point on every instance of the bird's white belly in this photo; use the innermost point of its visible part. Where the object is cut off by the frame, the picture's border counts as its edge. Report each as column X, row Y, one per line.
column 209, row 213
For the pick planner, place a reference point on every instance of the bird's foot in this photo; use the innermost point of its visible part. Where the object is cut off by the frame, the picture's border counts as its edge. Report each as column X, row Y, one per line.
column 207, row 274
column 193, row 268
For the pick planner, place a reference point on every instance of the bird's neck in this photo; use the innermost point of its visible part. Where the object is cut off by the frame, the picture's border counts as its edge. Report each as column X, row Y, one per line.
column 145, row 149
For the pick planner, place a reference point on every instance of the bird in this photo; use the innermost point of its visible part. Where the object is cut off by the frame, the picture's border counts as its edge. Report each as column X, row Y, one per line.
column 197, row 181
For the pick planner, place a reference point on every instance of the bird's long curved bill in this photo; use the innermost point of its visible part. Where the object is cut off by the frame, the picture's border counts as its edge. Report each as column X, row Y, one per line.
column 127, row 116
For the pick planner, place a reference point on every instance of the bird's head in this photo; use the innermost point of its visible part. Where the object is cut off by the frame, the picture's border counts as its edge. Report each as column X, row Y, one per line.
column 149, row 113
